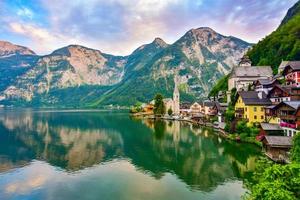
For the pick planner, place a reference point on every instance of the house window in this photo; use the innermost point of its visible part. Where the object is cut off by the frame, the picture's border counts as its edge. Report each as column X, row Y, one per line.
column 245, row 108
column 262, row 109
column 255, row 117
column 254, row 109
column 262, row 117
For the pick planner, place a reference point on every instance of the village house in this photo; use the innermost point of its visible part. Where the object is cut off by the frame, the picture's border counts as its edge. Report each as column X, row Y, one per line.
column 291, row 72
column 265, row 85
column 208, row 108
column 250, row 106
column 270, row 115
column 269, row 129
column 289, row 115
column 220, row 109
column 185, row 108
column 196, row 108
column 276, row 147
column 245, row 74
column 281, row 93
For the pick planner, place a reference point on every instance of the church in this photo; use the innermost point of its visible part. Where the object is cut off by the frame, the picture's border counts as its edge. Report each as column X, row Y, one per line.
column 174, row 103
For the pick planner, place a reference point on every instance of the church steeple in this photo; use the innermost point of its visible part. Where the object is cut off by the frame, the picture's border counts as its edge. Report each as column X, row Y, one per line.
column 176, row 97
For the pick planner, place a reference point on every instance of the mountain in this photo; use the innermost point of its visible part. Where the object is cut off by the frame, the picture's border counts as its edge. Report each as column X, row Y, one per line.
column 71, row 66
column 83, row 77
column 282, row 44
column 9, row 49
column 200, row 58
column 15, row 60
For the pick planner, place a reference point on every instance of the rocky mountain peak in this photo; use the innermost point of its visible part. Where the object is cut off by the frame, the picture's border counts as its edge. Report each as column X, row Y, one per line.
column 160, row 42
column 9, row 49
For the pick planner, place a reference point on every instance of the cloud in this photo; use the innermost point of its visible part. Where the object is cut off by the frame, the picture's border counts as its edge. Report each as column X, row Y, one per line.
column 42, row 38
column 25, row 12
column 120, row 26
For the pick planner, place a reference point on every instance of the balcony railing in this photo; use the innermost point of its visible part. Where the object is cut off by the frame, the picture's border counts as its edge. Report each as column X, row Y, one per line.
column 288, row 125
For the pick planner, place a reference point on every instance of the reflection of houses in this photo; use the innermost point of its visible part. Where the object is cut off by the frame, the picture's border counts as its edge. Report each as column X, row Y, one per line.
column 250, row 106
column 244, row 74
column 276, row 147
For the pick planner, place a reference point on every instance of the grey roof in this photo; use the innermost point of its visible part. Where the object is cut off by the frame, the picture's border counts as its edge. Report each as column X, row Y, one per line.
column 209, row 103
column 293, row 104
column 295, row 65
column 270, row 127
column 252, row 71
column 266, row 81
column 251, row 98
column 279, row 141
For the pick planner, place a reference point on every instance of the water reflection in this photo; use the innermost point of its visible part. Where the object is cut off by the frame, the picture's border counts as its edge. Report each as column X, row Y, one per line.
column 76, row 141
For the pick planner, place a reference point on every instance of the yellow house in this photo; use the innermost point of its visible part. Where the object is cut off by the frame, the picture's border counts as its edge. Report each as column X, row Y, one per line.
column 251, row 105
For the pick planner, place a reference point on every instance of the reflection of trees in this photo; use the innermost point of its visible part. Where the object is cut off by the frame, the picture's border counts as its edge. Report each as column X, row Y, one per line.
column 77, row 140
column 159, row 129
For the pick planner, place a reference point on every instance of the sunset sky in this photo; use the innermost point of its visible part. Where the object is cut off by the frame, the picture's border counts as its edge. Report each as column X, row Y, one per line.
column 120, row 26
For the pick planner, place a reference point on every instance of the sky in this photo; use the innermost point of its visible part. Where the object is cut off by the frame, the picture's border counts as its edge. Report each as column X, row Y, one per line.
column 120, row 26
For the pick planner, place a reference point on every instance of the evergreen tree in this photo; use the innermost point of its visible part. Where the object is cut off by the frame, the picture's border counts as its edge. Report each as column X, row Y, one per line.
column 159, row 106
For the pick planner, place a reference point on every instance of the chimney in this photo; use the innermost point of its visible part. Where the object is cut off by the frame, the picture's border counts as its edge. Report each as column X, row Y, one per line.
column 260, row 94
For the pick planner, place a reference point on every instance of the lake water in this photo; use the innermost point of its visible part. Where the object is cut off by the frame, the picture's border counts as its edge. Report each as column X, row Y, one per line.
column 108, row 155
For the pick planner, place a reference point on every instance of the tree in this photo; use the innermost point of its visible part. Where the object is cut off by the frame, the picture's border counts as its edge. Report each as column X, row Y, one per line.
column 295, row 152
column 170, row 111
column 159, row 106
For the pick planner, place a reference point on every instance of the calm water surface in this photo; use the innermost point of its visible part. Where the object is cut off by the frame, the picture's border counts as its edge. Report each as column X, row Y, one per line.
column 105, row 155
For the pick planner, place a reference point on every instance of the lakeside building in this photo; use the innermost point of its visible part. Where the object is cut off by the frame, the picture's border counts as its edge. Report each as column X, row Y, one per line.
column 276, row 147
column 289, row 114
column 291, row 73
column 250, row 106
column 269, row 129
column 245, row 74
column 280, row 93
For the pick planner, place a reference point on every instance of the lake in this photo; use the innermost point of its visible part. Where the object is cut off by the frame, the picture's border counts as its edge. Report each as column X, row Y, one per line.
column 109, row 155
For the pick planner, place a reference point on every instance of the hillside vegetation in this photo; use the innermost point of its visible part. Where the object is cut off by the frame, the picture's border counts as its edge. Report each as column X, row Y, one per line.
column 282, row 44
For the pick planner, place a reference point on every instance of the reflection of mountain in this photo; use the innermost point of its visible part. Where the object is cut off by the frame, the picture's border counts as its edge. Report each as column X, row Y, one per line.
column 74, row 141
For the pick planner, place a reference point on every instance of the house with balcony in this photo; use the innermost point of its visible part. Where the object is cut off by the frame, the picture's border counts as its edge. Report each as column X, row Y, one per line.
column 291, row 72
column 289, row 115
column 280, row 93
column 250, row 106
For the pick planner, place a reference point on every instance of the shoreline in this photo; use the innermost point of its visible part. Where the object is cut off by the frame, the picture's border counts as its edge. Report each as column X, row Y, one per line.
column 221, row 132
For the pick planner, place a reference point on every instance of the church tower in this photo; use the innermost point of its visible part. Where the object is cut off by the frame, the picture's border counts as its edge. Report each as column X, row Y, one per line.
column 176, row 99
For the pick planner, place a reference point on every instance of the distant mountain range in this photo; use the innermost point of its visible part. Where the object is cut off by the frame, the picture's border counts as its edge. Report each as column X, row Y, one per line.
column 77, row 76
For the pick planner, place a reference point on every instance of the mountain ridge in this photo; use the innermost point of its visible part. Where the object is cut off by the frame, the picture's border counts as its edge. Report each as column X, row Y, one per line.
column 200, row 56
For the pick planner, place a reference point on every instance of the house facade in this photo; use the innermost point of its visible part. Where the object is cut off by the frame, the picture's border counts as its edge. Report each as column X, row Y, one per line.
column 250, row 106
column 245, row 74
column 289, row 115
column 291, row 72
